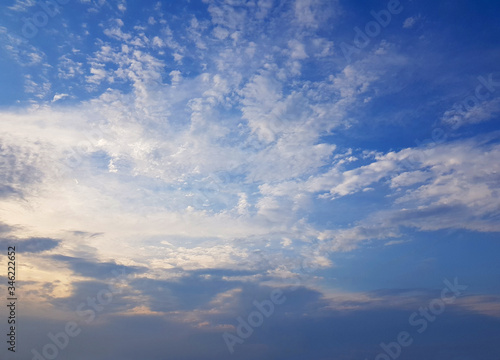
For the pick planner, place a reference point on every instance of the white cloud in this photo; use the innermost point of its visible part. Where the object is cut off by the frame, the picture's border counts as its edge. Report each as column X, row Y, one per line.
column 220, row 33
column 22, row 5
column 465, row 114
column 98, row 74
column 176, row 76
column 410, row 178
column 117, row 33
column 228, row 16
column 39, row 89
column 323, row 47
column 264, row 7
column 313, row 13
column 69, row 68
column 411, row 21
column 297, row 50
column 158, row 42
column 58, row 97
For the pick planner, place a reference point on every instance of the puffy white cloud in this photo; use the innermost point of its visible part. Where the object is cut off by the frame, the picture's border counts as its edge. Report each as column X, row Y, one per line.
column 297, row 50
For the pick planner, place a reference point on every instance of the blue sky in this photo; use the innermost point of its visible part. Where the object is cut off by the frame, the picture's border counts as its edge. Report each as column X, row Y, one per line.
column 181, row 161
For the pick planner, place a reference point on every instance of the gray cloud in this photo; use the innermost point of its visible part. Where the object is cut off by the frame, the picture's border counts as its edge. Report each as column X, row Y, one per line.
column 19, row 168
column 96, row 269
column 31, row 245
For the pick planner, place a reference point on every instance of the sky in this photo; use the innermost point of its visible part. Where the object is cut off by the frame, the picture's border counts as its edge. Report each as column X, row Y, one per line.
column 251, row 179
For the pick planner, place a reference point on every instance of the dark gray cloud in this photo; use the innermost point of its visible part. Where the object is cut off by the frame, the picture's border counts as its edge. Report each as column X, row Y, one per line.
column 6, row 190
column 85, row 234
column 35, row 245
column 196, row 292
column 30, row 245
column 95, row 269
column 187, row 293
column 5, row 229
column 82, row 291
